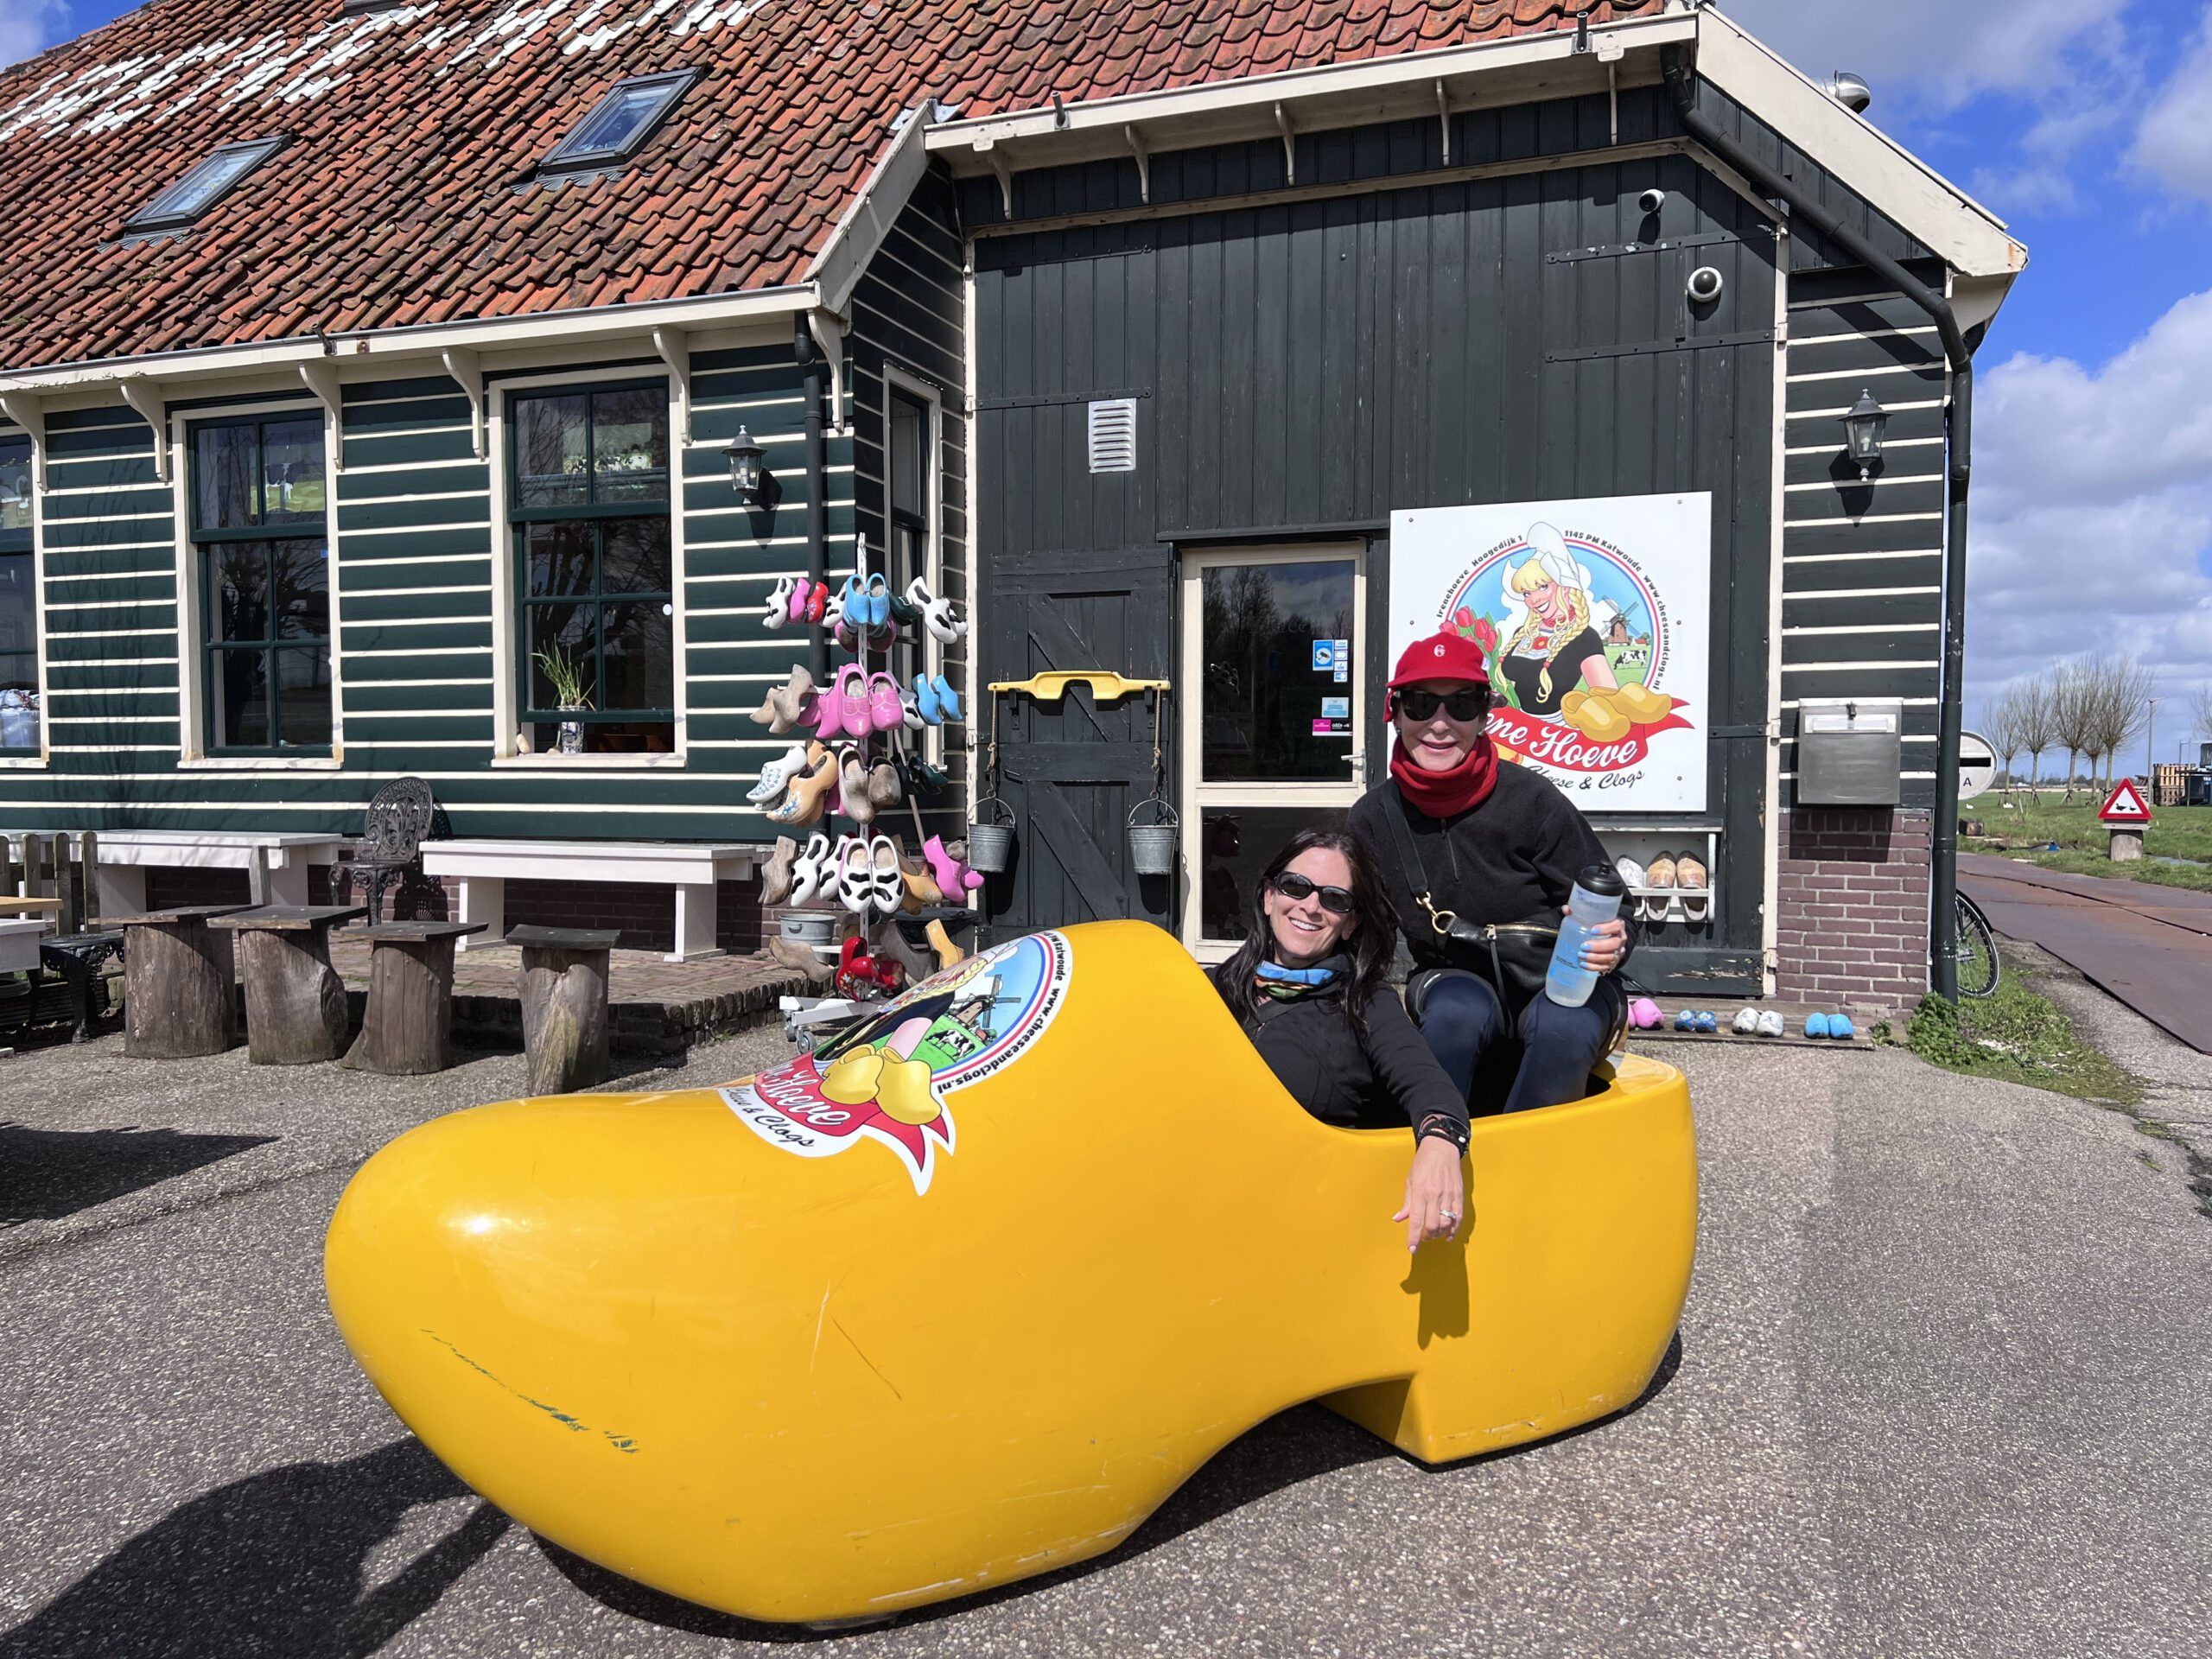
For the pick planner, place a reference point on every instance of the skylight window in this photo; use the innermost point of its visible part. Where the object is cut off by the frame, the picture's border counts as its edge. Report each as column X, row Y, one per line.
column 208, row 182
column 619, row 123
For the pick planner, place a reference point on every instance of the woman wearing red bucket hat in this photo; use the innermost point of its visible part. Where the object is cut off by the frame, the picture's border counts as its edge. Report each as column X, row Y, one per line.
column 1478, row 860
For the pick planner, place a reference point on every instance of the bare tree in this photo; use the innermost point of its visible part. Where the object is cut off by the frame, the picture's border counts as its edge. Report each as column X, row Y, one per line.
column 2123, row 687
column 2000, row 724
column 2073, row 717
column 2200, row 708
column 2038, row 724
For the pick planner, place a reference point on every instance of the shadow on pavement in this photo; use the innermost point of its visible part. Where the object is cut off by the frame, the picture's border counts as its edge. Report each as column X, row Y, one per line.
column 45, row 1174
column 1296, row 1446
column 272, row 1565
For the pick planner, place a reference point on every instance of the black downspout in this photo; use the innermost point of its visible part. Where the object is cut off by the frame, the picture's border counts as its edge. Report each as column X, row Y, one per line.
column 818, row 513
column 1943, row 954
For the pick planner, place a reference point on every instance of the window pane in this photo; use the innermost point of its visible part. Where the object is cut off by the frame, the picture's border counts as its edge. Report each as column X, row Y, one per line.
column 549, row 452
column 239, row 682
column 15, row 486
column 635, row 557
column 302, row 590
column 565, row 630
column 639, row 671
column 303, row 696
column 559, row 556
column 1266, row 710
column 909, row 432
column 202, row 184
column 630, row 445
column 237, row 591
column 614, row 126
column 226, row 477
column 18, row 655
column 291, row 473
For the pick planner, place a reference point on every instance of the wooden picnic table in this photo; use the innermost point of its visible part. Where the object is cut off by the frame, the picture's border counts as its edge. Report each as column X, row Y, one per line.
column 294, row 1002
column 407, row 1028
column 179, row 975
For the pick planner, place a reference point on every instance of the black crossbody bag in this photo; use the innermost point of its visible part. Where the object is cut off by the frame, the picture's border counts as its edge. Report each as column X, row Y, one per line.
column 1513, row 957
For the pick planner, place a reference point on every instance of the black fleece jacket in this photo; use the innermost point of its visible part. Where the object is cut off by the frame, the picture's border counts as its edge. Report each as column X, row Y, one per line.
column 1512, row 859
column 1381, row 1079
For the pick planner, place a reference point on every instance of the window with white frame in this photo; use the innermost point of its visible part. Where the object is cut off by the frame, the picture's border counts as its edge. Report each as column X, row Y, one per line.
column 19, row 708
column 587, row 507
column 910, row 492
column 258, row 498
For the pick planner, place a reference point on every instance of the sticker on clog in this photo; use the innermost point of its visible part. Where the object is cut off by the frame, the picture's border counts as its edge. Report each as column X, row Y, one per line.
column 887, row 1079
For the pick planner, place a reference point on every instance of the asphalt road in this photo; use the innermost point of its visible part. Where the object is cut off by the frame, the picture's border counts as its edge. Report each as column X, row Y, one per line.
column 1944, row 1386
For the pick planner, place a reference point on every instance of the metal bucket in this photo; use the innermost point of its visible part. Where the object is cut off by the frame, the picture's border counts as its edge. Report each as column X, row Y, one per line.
column 1152, row 846
column 990, row 839
column 815, row 929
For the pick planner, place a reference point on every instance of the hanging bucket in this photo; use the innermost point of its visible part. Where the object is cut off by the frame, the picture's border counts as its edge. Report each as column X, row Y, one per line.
column 990, row 836
column 1152, row 846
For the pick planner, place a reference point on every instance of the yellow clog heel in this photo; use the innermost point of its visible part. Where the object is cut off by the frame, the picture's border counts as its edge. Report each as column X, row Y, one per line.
column 804, row 1354
column 1642, row 704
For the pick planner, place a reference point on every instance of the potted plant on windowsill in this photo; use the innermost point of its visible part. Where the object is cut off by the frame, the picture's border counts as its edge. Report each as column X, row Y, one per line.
column 565, row 676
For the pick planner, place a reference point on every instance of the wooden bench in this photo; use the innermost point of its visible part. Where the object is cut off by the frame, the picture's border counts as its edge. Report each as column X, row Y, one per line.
column 294, row 1002
column 275, row 864
column 180, row 974
column 562, row 988
column 407, row 1028
column 483, row 868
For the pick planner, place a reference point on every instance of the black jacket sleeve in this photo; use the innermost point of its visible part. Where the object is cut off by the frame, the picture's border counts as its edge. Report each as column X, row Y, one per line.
column 1404, row 1065
column 1567, row 846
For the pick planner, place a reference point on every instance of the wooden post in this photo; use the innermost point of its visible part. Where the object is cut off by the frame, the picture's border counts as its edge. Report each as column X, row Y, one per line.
column 180, row 979
column 562, row 989
column 407, row 1026
column 296, row 1010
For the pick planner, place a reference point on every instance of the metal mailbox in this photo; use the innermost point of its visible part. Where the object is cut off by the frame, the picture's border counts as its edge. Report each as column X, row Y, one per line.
column 1850, row 754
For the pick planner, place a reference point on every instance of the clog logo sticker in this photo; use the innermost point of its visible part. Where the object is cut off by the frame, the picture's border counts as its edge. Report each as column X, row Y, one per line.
column 887, row 1079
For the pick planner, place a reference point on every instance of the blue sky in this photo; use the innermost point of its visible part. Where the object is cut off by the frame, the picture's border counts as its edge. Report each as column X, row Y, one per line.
column 2082, row 123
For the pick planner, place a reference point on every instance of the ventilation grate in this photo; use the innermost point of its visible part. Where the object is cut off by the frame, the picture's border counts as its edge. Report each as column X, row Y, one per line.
column 1113, row 435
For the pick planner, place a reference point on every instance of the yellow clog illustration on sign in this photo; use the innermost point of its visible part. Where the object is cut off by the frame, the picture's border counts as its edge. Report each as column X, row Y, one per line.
column 965, row 1296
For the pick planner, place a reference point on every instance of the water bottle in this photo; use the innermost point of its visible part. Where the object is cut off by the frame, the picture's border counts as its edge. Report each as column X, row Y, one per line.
column 1595, row 901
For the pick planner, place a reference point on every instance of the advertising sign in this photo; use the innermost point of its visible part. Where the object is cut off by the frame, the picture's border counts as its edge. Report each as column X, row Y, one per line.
column 1592, row 617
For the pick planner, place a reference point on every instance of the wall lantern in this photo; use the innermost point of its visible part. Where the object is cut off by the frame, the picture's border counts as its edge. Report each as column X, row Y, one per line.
column 1862, row 424
column 745, row 471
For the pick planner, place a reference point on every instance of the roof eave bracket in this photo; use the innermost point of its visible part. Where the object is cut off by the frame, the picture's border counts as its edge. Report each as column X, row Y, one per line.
column 1144, row 164
column 674, row 350
column 1289, row 143
column 467, row 371
column 29, row 413
column 319, row 376
column 146, row 398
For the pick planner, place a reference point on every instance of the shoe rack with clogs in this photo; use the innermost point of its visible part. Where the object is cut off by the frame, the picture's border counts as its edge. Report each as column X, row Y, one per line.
column 1670, row 874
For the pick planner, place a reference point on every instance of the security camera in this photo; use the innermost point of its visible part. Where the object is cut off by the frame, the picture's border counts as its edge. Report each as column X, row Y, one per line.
column 1652, row 200
column 1705, row 284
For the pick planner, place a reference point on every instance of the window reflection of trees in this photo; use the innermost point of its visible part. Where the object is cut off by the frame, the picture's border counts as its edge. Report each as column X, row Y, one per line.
column 1261, row 693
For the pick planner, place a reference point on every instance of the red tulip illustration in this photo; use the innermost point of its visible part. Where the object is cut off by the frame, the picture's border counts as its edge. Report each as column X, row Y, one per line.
column 1486, row 636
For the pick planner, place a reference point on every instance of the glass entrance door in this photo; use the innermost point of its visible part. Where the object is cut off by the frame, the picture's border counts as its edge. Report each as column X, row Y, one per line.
column 1274, row 646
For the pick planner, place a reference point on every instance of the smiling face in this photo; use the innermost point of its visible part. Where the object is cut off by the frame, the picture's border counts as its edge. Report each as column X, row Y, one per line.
column 1438, row 743
column 1546, row 600
column 1305, row 930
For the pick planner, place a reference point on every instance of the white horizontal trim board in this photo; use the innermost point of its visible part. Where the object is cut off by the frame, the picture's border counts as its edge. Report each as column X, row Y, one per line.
column 53, row 605
column 1839, row 558
column 1855, row 668
column 476, row 743
column 357, row 684
column 1867, row 333
column 777, row 743
column 101, row 547
column 114, row 749
column 410, row 432
column 115, row 662
column 1841, row 410
column 408, row 593
column 416, row 530
column 1909, row 737
column 1909, row 702
column 89, row 460
column 352, row 403
column 692, row 546
column 108, row 719
column 382, row 467
column 774, row 400
column 401, row 500
column 1848, row 299
column 1888, row 444
column 161, row 511
column 113, row 633
column 1865, row 519
column 370, row 716
column 1922, row 777
column 1860, row 592
column 1877, row 371
column 99, row 489
column 1863, row 483
column 418, row 651
column 419, row 558
column 1887, row 627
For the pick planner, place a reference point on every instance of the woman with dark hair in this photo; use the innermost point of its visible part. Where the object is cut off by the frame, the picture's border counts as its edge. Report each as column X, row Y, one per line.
column 1478, row 860
column 1309, row 987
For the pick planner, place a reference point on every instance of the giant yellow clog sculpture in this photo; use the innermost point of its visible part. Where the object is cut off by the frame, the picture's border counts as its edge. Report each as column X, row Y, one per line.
column 967, row 1295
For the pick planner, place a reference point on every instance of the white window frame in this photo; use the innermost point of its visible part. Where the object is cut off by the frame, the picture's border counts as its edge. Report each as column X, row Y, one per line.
column 37, row 762
column 931, row 399
column 191, row 664
column 1190, row 711
column 505, row 703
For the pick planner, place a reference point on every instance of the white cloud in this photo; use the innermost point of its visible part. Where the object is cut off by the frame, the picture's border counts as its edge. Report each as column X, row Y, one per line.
column 2173, row 145
column 28, row 26
column 2092, row 516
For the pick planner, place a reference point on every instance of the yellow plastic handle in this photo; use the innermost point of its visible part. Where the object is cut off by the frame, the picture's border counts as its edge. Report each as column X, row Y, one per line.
column 1106, row 686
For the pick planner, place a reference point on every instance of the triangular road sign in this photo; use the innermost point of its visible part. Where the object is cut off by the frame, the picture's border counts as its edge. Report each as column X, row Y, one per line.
column 2125, row 804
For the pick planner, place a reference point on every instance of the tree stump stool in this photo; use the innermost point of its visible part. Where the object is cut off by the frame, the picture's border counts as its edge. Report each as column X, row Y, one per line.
column 563, row 985
column 294, row 1002
column 179, row 981
column 409, row 1020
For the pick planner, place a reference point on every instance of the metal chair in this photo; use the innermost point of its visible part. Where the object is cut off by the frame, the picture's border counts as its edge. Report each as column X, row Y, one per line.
column 391, row 842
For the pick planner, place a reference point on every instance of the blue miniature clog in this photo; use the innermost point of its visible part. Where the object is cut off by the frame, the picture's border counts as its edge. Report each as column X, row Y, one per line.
column 1817, row 1024
column 1841, row 1028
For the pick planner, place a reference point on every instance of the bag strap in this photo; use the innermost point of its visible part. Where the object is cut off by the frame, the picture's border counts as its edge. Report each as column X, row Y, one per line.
column 1409, row 856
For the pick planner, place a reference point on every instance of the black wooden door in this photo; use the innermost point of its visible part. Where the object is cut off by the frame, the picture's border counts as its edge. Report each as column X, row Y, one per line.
column 1073, row 771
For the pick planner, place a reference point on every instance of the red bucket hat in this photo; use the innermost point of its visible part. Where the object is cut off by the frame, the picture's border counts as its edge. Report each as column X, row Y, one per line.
column 1445, row 655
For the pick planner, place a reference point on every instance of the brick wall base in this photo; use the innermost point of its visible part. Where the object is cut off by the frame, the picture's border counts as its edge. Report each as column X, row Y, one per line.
column 645, row 916
column 1852, row 915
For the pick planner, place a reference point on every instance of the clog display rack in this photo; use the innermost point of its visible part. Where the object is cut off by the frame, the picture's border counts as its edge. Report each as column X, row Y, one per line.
column 851, row 761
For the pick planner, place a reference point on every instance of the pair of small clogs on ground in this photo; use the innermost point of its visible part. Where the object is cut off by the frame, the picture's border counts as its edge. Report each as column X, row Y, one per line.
column 1837, row 1025
column 1763, row 1022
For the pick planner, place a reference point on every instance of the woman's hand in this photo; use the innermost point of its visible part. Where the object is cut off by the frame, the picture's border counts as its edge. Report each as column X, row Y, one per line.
column 1605, row 947
column 1436, row 1197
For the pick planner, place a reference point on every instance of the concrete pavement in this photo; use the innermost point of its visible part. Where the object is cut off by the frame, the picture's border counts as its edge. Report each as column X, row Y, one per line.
column 1944, row 1386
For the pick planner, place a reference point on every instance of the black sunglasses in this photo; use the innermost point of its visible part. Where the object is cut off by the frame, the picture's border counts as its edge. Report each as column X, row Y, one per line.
column 1417, row 704
column 1337, row 901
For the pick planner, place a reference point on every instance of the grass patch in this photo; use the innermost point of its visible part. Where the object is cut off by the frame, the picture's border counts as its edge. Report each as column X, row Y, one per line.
column 2174, row 832
column 2198, row 877
column 2019, row 1035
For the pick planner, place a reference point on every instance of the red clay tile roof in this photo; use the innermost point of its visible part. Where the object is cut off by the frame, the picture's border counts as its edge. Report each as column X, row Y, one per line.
column 400, row 200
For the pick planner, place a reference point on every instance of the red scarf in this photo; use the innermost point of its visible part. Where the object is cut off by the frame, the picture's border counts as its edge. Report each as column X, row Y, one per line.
column 1446, row 794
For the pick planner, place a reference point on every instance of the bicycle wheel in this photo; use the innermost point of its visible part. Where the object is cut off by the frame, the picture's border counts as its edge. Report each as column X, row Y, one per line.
column 1978, row 968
